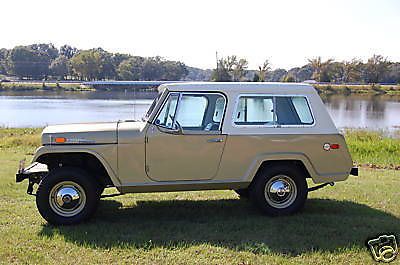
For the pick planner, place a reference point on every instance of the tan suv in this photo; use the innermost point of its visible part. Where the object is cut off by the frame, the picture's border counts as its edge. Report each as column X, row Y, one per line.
column 262, row 140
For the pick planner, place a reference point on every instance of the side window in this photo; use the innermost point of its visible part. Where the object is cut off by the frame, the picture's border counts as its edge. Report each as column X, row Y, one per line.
column 303, row 110
column 254, row 110
column 166, row 116
column 191, row 111
column 264, row 110
column 293, row 111
column 201, row 112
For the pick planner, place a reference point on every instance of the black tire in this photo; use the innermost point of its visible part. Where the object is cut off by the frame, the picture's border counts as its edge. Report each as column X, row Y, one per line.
column 72, row 180
column 243, row 193
column 286, row 192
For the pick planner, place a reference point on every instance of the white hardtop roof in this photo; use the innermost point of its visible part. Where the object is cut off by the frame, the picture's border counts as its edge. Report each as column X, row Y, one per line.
column 241, row 87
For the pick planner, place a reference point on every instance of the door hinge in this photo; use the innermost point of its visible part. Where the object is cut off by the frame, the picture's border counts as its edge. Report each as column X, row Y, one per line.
column 146, row 139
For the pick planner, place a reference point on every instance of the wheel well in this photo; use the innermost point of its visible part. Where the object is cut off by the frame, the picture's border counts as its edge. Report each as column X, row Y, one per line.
column 85, row 161
column 291, row 163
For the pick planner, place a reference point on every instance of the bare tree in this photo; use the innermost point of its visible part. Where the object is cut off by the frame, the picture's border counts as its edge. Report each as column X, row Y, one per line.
column 263, row 70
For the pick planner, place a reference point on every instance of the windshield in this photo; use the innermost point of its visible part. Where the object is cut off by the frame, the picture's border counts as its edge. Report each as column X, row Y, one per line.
column 152, row 106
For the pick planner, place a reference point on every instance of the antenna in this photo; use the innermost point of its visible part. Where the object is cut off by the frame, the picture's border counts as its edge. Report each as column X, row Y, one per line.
column 134, row 104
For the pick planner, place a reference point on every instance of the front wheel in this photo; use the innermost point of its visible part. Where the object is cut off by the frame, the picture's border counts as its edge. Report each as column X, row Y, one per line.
column 67, row 196
column 279, row 190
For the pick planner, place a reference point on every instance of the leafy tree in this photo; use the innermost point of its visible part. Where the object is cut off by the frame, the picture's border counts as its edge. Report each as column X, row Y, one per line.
column 3, row 61
column 44, row 48
column 131, row 68
column 59, row 67
column 93, row 64
column 174, row 70
column 29, row 61
column 68, row 51
column 118, row 58
column 107, row 67
column 87, row 64
column 152, row 68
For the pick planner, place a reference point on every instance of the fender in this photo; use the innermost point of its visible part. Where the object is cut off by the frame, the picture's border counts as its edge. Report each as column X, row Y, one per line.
column 51, row 149
column 315, row 176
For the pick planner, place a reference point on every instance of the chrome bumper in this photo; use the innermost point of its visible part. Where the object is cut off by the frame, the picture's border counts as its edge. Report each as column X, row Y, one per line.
column 34, row 173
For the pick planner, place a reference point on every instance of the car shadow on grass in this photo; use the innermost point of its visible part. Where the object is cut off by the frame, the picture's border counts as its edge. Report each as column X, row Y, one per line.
column 325, row 225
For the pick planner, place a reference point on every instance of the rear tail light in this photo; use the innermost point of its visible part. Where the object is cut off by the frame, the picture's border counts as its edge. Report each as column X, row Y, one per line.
column 328, row 146
column 335, row 146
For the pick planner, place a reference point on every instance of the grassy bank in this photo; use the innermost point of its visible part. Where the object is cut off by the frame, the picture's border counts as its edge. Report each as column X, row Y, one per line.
column 373, row 149
column 357, row 89
column 206, row 227
column 33, row 86
column 321, row 88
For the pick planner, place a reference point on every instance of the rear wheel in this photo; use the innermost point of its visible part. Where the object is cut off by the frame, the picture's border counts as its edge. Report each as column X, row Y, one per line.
column 67, row 196
column 279, row 190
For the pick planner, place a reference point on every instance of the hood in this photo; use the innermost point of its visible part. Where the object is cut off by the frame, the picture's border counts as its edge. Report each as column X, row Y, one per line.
column 84, row 133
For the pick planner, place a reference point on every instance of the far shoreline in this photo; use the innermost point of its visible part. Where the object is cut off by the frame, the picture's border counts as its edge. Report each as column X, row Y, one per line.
column 325, row 89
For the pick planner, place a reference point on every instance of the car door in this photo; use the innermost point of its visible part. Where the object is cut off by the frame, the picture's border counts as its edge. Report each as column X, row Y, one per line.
column 185, row 141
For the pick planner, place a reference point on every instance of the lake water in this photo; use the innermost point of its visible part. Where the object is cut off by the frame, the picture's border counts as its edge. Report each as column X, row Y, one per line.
column 38, row 109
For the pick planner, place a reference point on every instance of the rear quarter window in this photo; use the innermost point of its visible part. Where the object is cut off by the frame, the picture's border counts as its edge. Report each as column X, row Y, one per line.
column 268, row 110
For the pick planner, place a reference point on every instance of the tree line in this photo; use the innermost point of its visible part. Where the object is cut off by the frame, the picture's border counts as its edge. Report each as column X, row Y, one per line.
column 377, row 69
column 45, row 61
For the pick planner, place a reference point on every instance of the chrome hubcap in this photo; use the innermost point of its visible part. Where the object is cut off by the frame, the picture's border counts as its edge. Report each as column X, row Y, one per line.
column 280, row 191
column 67, row 198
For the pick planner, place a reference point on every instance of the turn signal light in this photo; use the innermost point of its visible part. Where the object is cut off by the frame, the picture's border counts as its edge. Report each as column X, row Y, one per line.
column 60, row 140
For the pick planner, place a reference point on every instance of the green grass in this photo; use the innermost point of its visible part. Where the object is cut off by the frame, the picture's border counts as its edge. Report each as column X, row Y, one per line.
column 357, row 89
column 29, row 86
column 204, row 227
column 374, row 149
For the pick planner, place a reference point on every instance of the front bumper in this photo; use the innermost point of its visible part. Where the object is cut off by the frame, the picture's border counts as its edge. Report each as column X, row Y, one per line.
column 34, row 173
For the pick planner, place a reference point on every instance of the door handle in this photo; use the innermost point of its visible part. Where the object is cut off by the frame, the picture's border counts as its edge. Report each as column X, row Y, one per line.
column 215, row 140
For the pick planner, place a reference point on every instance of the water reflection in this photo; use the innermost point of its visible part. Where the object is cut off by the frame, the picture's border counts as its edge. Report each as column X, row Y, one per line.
column 364, row 111
column 40, row 108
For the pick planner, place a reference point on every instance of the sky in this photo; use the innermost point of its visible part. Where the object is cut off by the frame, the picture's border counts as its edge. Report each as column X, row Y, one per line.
column 286, row 32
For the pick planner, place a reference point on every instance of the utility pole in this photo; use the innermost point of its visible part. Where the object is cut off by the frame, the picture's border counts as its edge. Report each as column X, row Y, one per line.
column 216, row 58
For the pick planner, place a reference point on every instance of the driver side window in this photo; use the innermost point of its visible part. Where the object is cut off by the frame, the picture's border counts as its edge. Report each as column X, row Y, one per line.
column 192, row 112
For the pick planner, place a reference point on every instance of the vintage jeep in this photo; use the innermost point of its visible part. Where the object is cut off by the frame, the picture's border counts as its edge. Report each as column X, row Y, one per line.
column 262, row 140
